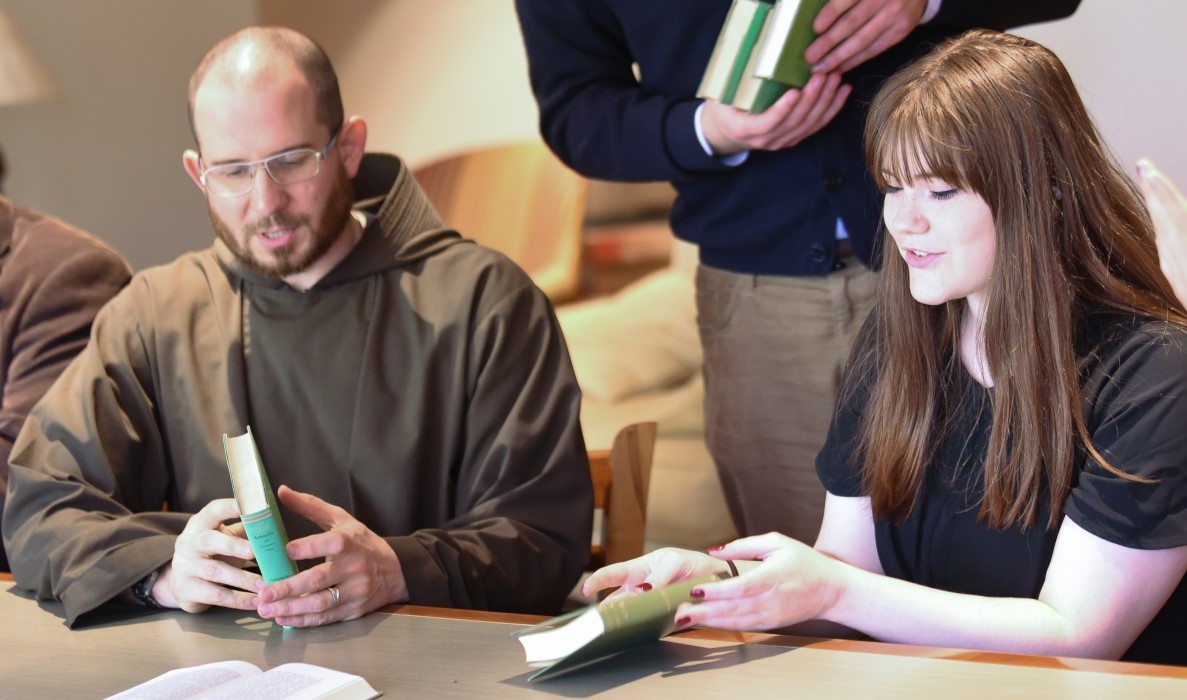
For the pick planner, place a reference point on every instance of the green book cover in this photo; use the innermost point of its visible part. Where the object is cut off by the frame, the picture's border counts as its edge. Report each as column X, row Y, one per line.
column 786, row 36
column 740, row 33
column 590, row 634
column 257, row 507
column 756, row 94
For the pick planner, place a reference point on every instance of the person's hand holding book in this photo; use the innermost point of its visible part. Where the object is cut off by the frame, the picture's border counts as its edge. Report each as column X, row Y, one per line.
column 208, row 564
column 359, row 564
column 794, row 117
column 854, row 31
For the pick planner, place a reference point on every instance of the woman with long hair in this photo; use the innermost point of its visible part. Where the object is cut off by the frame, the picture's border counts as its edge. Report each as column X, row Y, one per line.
column 1005, row 466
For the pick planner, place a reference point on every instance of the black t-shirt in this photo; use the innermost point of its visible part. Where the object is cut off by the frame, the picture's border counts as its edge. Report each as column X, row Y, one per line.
column 1134, row 380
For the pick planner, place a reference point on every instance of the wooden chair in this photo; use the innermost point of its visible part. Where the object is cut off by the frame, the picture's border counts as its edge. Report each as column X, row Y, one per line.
column 521, row 201
column 621, row 478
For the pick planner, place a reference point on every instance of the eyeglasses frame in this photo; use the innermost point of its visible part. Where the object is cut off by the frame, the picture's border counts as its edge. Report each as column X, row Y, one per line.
column 254, row 165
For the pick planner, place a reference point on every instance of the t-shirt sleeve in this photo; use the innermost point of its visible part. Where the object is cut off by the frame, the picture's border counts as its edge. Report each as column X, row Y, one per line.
column 1136, row 413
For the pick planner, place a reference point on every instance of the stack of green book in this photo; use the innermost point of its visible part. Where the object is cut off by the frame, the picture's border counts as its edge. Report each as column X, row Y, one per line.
column 759, row 53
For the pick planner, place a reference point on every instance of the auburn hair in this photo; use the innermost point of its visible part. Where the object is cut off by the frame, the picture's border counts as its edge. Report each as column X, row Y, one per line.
column 999, row 115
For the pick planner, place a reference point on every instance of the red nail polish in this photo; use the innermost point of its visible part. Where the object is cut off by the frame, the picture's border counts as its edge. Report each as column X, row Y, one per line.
column 696, row 593
column 717, row 548
column 683, row 620
column 644, row 587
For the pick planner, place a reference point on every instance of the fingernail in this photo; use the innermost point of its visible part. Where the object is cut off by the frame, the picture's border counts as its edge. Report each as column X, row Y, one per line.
column 683, row 620
column 265, row 611
column 697, row 593
column 644, row 587
column 717, row 548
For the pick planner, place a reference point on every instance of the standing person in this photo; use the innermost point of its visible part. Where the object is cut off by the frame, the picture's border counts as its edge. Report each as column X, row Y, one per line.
column 1168, row 209
column 1005, row 464
column 410, row 389
column 54, row 278
column 777, row 203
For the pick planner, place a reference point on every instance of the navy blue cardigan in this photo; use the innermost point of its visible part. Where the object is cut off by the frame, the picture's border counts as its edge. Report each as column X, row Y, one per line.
column 776, row 213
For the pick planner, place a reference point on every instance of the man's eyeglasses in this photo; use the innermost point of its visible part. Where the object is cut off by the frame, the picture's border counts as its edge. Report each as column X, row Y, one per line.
column 288, row 168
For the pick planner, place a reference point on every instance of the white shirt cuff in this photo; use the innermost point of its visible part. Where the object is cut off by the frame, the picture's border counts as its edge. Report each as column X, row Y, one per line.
column 732, row 159
column 930, row 12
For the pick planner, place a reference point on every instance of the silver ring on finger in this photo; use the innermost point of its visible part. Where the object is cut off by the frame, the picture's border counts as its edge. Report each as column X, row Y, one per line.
column 335, row 593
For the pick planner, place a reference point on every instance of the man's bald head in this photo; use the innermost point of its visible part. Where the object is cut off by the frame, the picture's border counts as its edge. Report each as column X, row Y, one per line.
column 250, row 54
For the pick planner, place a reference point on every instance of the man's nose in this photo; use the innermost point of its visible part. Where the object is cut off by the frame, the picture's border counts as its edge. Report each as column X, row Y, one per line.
column 266, row 195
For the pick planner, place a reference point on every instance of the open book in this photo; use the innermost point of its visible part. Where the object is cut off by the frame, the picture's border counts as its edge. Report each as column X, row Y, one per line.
column 595, row 632
column 241, row 680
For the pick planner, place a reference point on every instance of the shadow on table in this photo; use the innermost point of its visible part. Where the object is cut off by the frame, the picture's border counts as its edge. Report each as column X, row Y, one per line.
column 666, row 659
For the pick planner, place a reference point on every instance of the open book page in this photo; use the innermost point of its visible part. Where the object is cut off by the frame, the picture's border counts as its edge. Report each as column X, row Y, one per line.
column 239, row 680
column 556, row 643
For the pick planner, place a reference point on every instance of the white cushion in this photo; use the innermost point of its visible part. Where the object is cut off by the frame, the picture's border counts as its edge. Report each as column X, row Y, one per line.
column 640, row 339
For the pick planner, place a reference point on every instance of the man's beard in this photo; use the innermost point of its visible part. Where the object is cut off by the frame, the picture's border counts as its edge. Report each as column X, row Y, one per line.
column 285, row 260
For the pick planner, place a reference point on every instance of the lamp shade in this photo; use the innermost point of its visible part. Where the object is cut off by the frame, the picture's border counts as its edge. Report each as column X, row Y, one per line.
column 22, row 79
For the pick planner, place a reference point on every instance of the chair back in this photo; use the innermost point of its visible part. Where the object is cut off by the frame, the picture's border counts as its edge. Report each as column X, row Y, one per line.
column 519, row 200
column 622, row 477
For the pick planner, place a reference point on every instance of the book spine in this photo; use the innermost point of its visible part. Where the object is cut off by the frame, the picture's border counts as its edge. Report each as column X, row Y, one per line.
column 789, row 35
column 652, row 614
column 265, row 531
column 767, row 94
column 742, row 60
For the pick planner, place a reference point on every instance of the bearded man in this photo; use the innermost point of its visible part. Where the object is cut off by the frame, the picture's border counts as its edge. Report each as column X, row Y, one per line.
column 410, row 389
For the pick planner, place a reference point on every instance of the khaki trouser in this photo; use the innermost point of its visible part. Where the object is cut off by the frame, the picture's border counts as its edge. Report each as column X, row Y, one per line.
column 774, row 351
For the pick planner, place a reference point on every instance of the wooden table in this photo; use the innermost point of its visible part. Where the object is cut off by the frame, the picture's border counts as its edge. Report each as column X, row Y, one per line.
column 410, row 651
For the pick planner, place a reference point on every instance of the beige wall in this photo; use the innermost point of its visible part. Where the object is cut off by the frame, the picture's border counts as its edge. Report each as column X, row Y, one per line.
column 105, row 152
column 430, row 76
column 1129, row 61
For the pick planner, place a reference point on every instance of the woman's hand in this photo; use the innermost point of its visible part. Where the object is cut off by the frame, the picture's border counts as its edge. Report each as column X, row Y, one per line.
column 791, row 583
column 653, row 570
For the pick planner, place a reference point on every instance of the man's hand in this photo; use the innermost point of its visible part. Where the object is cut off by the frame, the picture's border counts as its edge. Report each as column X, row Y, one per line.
column 793, row 118
column 208, row 560
column 359, row 564
column 854, row 31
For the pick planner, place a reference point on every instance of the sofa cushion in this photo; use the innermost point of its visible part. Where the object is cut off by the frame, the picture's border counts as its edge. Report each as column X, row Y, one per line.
column 642, row 338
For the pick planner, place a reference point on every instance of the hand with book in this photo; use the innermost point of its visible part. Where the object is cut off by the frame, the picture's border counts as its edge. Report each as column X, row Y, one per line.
column 781, row 582
column 360, row 564
column 854, row 31
column 794, row 117
column 1168, row 210
column 208, row 564
column 656, row 569
column 209, row 560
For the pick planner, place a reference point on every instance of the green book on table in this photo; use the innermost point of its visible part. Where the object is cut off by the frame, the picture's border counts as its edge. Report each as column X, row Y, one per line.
column 596, row 632
column 257, row 507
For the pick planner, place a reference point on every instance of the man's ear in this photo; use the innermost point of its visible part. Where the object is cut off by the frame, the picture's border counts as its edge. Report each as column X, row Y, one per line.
column 352, row 144
column 193, row 166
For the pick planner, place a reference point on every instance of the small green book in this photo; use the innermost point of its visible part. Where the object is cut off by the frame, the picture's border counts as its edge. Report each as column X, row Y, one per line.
column 788, row 33
column 596, row 632
column 257, row 507
column 739, row 35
